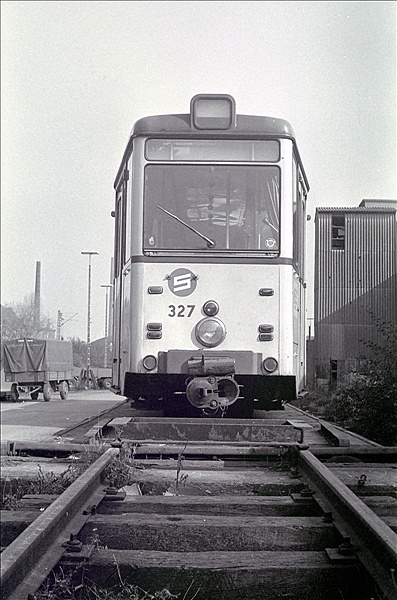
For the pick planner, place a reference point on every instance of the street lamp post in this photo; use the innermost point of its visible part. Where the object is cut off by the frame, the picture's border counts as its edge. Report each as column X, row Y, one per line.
column 89, row 314
column 106, row 322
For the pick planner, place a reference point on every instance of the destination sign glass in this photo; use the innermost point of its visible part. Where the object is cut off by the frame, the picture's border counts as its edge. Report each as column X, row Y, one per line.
column 213, row 150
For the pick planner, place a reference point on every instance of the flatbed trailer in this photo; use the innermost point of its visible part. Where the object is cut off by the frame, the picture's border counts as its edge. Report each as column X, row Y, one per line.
column 35, row 366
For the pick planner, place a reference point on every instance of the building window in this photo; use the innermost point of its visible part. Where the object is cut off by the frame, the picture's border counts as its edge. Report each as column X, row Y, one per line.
column 338, row 232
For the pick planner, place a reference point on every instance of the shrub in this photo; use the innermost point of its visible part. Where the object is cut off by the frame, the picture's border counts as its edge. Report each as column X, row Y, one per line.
column 367, row 403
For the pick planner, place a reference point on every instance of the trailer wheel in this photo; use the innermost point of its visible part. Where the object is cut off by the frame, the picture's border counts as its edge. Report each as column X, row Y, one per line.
column 14, row 392
column 106, row 384
column 47, row 391
column 63, row 389
column 34, row 395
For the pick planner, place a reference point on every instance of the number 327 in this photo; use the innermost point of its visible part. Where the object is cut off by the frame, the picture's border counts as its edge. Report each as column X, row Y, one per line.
column 181, row 310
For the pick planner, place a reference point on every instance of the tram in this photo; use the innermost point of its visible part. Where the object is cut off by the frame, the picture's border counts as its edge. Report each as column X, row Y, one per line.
column 209, row 281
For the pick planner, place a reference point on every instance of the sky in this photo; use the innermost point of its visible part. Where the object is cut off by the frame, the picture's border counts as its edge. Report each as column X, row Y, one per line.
column 77, row 75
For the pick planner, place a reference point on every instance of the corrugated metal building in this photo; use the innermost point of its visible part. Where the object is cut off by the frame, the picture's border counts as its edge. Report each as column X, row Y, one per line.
column 355, row 283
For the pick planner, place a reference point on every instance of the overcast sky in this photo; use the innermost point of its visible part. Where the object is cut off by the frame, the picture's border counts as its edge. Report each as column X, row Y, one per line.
column 77, row 75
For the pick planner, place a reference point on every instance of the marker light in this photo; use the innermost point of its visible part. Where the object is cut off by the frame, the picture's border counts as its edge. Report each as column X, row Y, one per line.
column 154, row 335
column 211, row 308
column 154, row 331
column 266, row 328
column 149, row 362
column 210, row 332
column 154, row 327
column 265, row 333
column 266, row 292
column 212, row 111
column 265, row 337
column 270, row 364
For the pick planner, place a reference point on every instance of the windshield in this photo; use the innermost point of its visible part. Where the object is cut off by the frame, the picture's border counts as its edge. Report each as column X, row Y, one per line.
column 234, row 207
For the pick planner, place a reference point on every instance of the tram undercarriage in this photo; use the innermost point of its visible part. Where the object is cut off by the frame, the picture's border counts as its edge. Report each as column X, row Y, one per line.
column 208, row 394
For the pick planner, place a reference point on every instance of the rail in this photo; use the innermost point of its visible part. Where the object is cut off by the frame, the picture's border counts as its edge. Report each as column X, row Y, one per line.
column 369, row 538
column 30, row 558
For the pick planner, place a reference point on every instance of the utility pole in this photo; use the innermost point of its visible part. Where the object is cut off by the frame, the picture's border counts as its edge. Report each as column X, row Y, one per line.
column 88, row 374
column 37, row 292
column 59, row 324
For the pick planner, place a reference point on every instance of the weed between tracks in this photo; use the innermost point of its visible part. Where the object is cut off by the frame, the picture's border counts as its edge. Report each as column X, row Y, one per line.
column 46, row 483
column 121, row 470
column 118, row 474
column 62, row 586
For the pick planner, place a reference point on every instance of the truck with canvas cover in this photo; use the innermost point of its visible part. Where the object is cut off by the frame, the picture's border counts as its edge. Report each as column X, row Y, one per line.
column 36, row 366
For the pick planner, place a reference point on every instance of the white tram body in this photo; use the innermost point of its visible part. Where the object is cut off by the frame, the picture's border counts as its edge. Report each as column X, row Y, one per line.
column 209, row 290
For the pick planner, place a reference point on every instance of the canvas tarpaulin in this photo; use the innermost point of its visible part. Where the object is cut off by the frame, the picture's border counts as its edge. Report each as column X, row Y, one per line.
column 27, row 355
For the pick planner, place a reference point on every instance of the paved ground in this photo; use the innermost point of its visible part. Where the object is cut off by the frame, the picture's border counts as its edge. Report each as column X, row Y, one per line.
column 42, row 421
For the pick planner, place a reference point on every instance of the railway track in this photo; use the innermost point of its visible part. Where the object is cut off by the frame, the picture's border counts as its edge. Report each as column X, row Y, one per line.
column 226, row 510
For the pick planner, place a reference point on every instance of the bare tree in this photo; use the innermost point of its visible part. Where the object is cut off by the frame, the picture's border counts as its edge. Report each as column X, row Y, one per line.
column 18, row 320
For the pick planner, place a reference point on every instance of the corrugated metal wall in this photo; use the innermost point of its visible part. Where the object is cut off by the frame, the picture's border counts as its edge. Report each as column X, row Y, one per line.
column 354, row 283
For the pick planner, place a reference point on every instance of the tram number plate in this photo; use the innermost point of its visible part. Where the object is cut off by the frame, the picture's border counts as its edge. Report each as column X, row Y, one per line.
column 181, row 310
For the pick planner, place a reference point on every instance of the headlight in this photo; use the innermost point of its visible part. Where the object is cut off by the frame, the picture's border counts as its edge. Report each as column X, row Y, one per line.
column 210, row 332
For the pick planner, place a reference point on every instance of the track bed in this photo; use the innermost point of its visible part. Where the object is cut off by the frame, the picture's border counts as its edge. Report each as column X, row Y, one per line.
column 243, row 510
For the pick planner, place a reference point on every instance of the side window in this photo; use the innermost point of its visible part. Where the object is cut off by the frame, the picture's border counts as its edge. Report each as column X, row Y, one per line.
column 128, row 216
column 117, row 227
column 295, row 216
column 302, row 228
column 298, row 204
column 120, row 230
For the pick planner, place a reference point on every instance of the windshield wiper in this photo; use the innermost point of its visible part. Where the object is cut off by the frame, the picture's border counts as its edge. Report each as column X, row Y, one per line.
column 210, row 243
column 265, row 220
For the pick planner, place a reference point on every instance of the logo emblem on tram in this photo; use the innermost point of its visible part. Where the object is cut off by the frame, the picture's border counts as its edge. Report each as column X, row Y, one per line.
column 182, row 282
column 270, row 243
